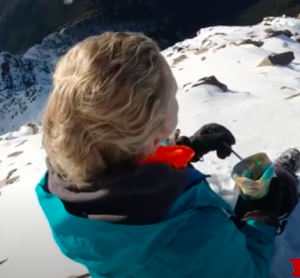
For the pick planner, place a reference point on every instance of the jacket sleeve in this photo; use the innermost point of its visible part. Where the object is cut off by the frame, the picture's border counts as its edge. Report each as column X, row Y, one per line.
column 209, row 245
column 259, row 240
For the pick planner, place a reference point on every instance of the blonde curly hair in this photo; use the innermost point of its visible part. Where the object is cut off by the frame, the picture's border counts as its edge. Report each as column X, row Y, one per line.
column 108, row 98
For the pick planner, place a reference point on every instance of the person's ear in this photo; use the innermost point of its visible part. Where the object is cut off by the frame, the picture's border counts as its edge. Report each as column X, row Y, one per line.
column 174, row 137
column 156, row 143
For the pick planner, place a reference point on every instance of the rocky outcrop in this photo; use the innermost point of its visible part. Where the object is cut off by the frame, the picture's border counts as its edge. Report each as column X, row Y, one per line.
column 211, row 80
column 250, row 41
column 10, row 179
column 274, row 33
column 280, row 59
column 179, row 59
column 293, row 96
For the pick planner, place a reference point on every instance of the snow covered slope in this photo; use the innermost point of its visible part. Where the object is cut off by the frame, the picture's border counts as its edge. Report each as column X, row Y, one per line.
column 261, row 105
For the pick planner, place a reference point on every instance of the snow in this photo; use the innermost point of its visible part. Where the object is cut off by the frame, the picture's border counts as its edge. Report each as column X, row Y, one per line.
column 25, row 238
column 261, row 108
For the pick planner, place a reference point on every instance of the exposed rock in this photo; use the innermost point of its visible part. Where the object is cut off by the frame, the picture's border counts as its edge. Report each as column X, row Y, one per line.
column 201, row 51
column 281, row 59
column 15, row 154
column 293, row 96
column 211, row 80
column 2, row 183
column 249, row 41
column 9, row 179
column 297, row 38
column 220, row 47
column 220, row 34
column 268, row 19
column 206, row 41
column 35, row 128
column 10, row 173
column 265, row 62
column 12, row 180
column 177, row 48
column 3, row 261
column 288, row 88
column 274, row 33
column 187, row 84
column 21, row 143
column 179, row 59
column 285, row 44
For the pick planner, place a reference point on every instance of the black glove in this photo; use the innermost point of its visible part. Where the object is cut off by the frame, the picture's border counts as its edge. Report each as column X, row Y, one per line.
column 265, row 210
column 210, row 137
column 269, row 204
column 280, row 201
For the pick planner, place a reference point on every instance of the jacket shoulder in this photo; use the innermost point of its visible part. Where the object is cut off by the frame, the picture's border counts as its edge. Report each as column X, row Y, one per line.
column 199, row 196
column 201, row 246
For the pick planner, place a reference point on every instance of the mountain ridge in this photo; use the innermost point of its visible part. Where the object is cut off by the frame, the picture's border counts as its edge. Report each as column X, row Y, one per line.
column 31, row 20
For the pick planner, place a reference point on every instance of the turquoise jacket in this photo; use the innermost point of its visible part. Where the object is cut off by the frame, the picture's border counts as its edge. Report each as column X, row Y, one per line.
column 197, row 240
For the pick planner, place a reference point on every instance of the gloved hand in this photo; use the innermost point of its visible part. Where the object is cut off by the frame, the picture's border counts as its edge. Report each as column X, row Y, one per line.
column 266, row 208
column 210, row 137
column 280, row 201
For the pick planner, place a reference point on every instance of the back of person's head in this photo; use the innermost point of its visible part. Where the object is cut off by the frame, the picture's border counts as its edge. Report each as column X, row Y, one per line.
column 110, row 96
